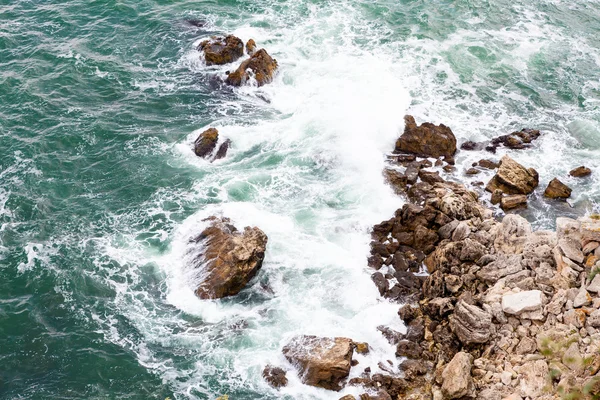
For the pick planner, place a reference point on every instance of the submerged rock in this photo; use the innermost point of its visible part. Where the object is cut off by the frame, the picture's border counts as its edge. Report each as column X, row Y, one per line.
column 557, row 190
column 426, row 140
column 230, row 258
column 513, row 178
column 321, row 362
column 261, row 65
column 222, row 50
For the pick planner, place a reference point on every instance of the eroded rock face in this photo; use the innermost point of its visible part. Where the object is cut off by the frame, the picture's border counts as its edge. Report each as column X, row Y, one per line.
column 261, row 66
column 427, row 139
column 557, row 190
column 321, row 362
column 250, row 47
column 513, row 178
column 229, row 258
column 471, row 324
column 222, row 50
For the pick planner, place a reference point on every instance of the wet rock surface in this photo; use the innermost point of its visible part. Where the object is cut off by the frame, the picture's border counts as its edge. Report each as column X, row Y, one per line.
column 321, row 362
column 222, row 50
column 229, row 258
column 261, row 66
column 557, row 190
column 427, row 139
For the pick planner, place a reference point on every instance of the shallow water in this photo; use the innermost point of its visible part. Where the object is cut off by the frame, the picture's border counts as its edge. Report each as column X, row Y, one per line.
column 99, row 189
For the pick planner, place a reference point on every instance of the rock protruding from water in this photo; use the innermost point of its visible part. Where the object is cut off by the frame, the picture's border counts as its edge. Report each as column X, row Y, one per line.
column 557, row 190
column 580, row 172
column 321, row 361
column 230, row 258
column 222, row 50
column 426, row 140
column 513, row 178
column 205, row 145
column 516, row 140
column 261, row 66
column 275, row 376
column 250, row 47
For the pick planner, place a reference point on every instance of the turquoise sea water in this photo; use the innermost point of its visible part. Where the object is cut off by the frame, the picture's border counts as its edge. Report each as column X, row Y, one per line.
column 100, row 102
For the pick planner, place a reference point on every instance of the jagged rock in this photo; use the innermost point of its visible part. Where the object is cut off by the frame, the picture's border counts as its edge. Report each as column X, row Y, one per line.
column 222, row 50
column 230, row 259
column 594, row 286
column 516, row 140
column 513, row 178
column 557, row 190
column 571, row 249
column 396, row 179
column 321, row 362
column 590, row 228
column 470, row 323
column 517, row 303
column 534, row 378
column 513, row 201
column 206, row 142
column 580, row 172
column 250, row 47
column 502, row 266
column 583, row 298
column 538, row 248
column 457, row 381
column 511, row 234
column 426, row 140
column 406, row 348
column 361, row 347
column 430, row 177
column 381, row 283
column 261, row 65
column 413, row 368
column 222, row 152
column 497, row 197
column 275, row 376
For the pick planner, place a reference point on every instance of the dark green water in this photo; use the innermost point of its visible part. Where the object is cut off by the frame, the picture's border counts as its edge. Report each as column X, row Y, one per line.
column 99, row 104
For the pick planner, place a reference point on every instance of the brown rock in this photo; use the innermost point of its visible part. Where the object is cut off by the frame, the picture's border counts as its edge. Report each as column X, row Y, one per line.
column 497, row 196
column 321, row 362
column 517, row 140
column 222, row 152
column 396, row 179
column 557, row 190
column 361, row 347
column 206, row 142
column 250, row 47
column 488, row 164
column 261, row 64
column 472, row 171
column 580, row 172
column 513, row 178
column 230, row 259
column 426, row 140
column 513, row 201
column 457, row 377
column 219, row 50
column 275, row 376
column 470, row 323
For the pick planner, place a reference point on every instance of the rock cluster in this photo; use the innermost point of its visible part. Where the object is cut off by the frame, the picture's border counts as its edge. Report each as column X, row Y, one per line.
column 516, row 140
column 224, row 50
column 228, row 259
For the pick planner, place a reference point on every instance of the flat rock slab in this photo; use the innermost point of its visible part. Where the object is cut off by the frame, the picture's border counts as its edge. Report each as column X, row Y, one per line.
column 572, row 249
column 518, row 303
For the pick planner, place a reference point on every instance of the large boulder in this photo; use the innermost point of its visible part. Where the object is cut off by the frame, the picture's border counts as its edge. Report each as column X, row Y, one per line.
column 221, row 50
column 320, row 361
column 261, row 65
column 426, row 140
column 557, row 190
column 229, row 258
column 513, row 178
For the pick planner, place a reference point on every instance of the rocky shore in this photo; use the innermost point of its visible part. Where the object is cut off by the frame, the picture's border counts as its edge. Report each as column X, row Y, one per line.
column 493, row 309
